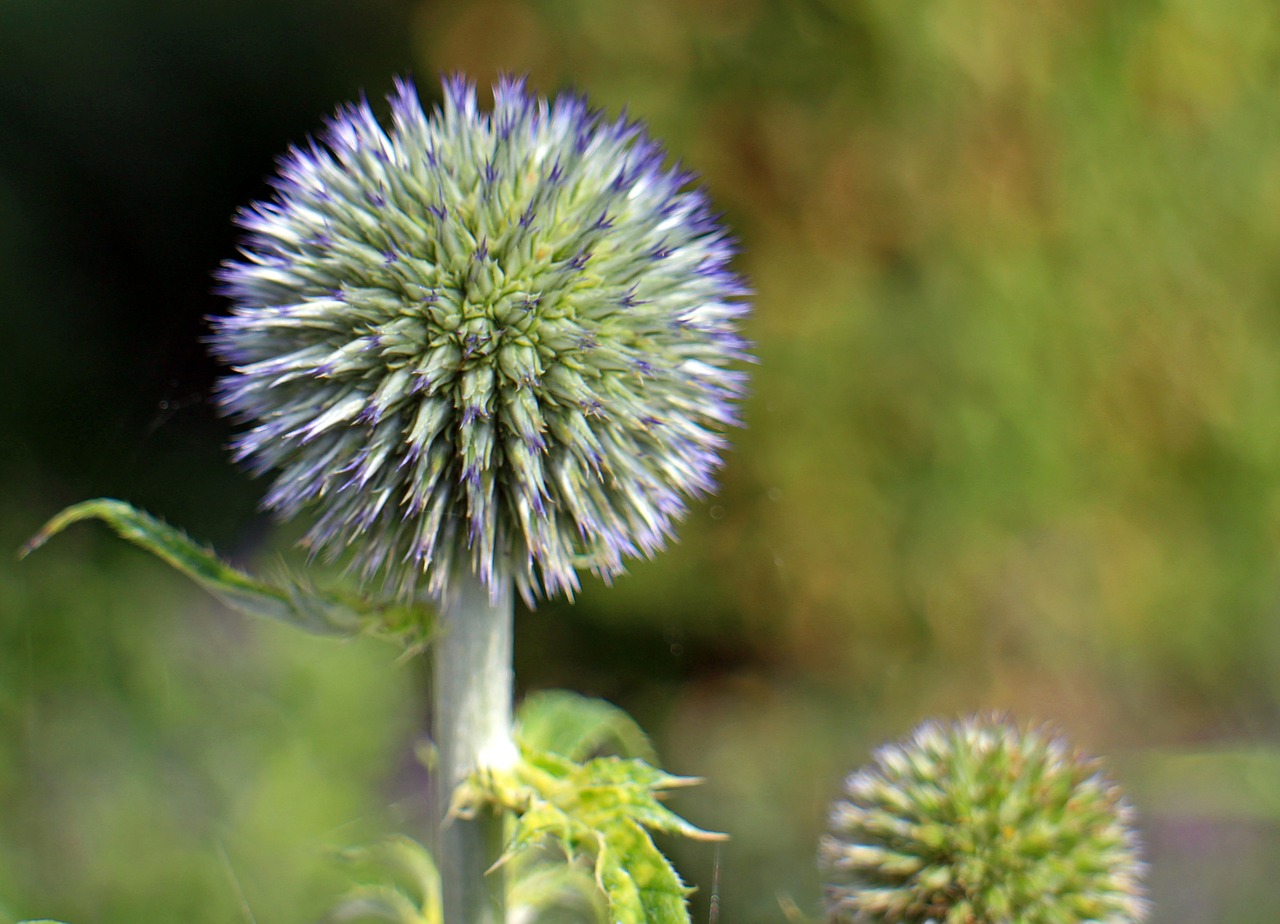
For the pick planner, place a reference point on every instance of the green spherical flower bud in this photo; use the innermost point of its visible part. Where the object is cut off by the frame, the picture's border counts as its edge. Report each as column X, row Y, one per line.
column 979, row 822
column 494, row 342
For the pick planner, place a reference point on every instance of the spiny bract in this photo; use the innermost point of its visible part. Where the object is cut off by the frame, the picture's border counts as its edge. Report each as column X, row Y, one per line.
column 978, row 822
column 498, row 342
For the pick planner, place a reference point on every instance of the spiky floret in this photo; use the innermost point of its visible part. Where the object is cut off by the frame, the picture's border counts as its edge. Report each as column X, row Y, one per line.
column 980, row 822
column 499, row 342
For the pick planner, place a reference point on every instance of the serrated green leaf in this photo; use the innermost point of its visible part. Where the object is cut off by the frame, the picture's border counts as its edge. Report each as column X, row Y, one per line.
column 599, row 811
column 293, row 601
column 544, row 823
column 634, row 772
column 626, row 905
column 640, row 883
column 609, row 787
column 579, row 727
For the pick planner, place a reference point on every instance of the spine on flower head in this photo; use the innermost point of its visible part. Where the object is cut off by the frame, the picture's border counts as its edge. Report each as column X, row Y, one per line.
column 981, row 822
column 503, row 342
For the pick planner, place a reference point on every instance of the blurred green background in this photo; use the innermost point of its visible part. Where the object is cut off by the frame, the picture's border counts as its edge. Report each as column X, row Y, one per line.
column 1013, row 442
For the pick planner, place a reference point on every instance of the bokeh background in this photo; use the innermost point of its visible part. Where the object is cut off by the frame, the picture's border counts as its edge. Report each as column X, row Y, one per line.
column 1013, row 441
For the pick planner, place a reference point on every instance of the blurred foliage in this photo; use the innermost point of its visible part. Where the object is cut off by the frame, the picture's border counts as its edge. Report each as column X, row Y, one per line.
column 1012, row 442
column 165, row 760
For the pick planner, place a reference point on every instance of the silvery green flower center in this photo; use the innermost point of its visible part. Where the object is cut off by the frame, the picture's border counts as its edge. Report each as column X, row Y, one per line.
column 498, row 342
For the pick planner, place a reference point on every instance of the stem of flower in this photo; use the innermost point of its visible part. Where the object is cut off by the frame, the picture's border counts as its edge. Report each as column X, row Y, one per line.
column 472, row 729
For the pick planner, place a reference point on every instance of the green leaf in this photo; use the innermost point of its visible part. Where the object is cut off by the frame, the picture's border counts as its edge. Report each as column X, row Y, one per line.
column 414, row 899
column 377, row 903
column 293, row 601
column 555, row 891
column 633, row 788
column 579, row 727
column 641, row 883
column 598, row 811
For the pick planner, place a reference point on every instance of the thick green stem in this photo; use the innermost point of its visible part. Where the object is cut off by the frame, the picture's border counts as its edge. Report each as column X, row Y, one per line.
column 472, row 729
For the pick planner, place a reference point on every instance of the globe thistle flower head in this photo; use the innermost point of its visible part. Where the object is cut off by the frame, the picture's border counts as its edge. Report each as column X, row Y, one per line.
column 979, row 822
column 500, row 342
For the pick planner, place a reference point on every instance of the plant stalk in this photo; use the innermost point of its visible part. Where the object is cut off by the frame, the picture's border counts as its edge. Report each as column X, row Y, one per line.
column 471, row 725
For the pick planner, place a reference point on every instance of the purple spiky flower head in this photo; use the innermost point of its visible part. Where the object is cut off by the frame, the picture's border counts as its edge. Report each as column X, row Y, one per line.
column 501, row 342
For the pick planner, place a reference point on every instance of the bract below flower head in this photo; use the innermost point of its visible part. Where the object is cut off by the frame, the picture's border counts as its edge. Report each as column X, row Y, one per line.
column 980, row 822
column 498, row 342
